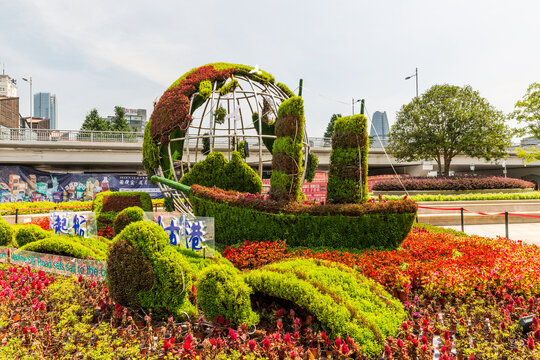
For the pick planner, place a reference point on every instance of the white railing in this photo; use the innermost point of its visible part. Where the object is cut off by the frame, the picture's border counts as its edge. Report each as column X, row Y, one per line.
column 70, row 135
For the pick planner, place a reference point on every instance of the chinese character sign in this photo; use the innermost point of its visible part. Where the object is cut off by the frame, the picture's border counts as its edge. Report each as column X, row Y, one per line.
column 73, row 223
column 193, row 233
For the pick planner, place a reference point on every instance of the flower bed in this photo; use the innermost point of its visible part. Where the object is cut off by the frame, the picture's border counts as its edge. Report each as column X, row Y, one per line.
column 451, row 183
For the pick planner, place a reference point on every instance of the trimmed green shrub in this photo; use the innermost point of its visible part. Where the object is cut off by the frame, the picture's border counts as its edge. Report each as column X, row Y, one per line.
column 65, row 246
column 205, row 89
column 216, row 171
column 6, row 233
column 313, row 163
column 219, row 115
column 267, row 129
column 150, row 152
column 108, row 204
column 170, row 278
column 347, row 178
column 126, row 217
column 382, row 230
column 345, row 302
column 228, row 87
column 287, row 151
column 221, row 291
column 30, row 233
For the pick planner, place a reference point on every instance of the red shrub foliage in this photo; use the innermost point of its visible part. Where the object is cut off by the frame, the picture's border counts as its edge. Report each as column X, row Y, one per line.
column 262, row 203
column 119, row 203
column 452, row 183
column 172, row 110
column 252, row 255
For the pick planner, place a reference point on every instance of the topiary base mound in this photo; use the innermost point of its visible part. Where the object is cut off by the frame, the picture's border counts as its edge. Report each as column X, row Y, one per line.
column 345, row 302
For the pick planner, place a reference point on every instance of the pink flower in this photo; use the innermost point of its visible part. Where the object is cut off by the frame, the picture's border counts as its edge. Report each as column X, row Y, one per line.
column 233, row 335
column 33, row 329
column 266, row 343
column 338, row 342
column 345, row 349
column 252, row 344
column 399, row 343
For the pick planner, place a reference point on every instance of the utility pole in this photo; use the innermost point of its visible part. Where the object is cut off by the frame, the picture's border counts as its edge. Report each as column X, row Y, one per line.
column 31, row 119
column 415, row 76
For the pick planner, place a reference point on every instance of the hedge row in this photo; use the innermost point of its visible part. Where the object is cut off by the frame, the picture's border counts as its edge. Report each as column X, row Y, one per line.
column 384, row 229
column 345, row 302
column 452, row 183
column 470, row 197
column 108, row 204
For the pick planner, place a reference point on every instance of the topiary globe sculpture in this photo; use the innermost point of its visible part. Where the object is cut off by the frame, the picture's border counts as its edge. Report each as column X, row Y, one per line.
column 223, row 107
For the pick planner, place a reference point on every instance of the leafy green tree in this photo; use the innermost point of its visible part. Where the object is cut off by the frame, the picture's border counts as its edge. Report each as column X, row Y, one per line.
column 119, row 122
column 330, row 127
column 527, row 111
column 446, row 121
column 94, row 122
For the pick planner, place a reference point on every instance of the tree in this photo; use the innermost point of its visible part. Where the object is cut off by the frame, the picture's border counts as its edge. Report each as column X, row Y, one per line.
column 330, row 127
column 94, row 122
column 527, row 111
column 119, row 122
column 446, row 121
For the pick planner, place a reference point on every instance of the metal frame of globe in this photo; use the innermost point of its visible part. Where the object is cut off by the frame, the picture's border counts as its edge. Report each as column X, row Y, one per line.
column 248, row 97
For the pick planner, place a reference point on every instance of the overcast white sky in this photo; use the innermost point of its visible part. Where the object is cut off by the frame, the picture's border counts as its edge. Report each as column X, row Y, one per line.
column 105, row 53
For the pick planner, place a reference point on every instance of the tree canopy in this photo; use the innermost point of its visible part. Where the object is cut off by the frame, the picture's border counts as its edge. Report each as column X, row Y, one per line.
column 119, row 122
column 528, row 110
column 95, row 122
column 446, row 121
column 330, row 128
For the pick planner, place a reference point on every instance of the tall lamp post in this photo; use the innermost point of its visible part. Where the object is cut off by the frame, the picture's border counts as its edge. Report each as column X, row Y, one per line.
column 30, row 82
column 416, row 76
column 354, row 102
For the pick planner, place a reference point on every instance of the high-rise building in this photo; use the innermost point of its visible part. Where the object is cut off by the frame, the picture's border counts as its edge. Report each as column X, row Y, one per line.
column 8, row 86
column 380, row 128
column 45, row 106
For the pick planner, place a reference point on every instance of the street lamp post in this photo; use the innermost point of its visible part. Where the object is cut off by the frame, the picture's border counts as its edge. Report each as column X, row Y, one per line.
column 354, row 102
column 31, row 119
column 416, row 76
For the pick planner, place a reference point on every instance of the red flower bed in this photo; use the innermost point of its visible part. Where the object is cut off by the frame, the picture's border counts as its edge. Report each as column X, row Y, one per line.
column 451, row 183
column 436, row 265
column 43, row 222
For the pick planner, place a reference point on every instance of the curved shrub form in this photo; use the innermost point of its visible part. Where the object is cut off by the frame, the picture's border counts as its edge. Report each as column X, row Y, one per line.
column 30, row 233
column 452, row 183
column 165, row 276
column 345, row 302
column 221, row 291
column 215, row 170
column 6, row 233
column 126, row 217
column 240, row 217
column 65, row 246
column 108, row 204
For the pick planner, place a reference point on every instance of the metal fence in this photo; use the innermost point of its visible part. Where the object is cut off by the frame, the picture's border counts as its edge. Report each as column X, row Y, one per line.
column 70, row 135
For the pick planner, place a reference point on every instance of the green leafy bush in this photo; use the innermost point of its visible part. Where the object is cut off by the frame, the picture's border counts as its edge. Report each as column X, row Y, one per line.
column 39, row 207
column 126, row 217
column 216, row 171
column 221, row 291
column 381, row 226
column 345, row 302
column 347, row 178
column 65, row 246
column 266, row 129
column 228, row 87
column 164, row 289
column 205, row 89
column 150, row 152
column 313, row 163
column 219, row 115
column 6, row 233
column 30, row 233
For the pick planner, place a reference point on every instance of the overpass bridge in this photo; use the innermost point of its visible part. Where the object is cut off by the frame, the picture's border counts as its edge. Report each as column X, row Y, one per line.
column 116, row 152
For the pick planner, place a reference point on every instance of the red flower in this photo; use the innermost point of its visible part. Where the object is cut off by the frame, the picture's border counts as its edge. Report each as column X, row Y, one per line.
column 252, row 345
column 266, row 343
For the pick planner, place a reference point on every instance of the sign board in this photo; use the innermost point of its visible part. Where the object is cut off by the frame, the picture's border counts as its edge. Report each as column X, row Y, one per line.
column 58, row 264
column 189, row 232
column 81, row 223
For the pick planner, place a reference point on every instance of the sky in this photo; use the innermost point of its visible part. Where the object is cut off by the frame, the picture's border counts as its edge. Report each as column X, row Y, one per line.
column 98, row 54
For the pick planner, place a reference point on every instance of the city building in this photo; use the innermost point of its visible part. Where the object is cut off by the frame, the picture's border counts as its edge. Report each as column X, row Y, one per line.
column 379, row 130
column 46, row 106
column 38, row 123
column 9, row 112
column 8, row 86
column 136, row 118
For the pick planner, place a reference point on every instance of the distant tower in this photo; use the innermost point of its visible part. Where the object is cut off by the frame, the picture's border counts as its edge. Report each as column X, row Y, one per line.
column 379, row 126
column 8, row 86
column 45, row 106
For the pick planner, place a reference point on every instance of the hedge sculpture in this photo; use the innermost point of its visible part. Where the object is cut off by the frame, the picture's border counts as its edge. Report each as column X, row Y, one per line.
column 347, row 178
